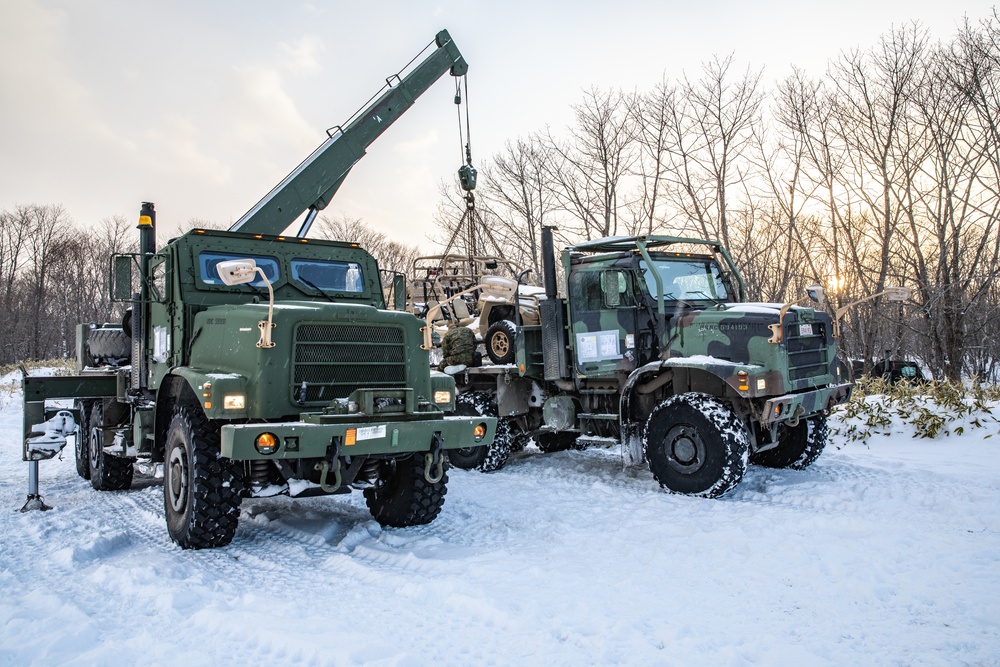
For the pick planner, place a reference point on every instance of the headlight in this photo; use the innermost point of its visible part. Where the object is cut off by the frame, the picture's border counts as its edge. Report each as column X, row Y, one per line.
column 234, row 402
column 442, row 397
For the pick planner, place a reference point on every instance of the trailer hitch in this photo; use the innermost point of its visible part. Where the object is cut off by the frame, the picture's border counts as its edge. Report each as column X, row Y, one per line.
column 332, row 460
column 434, row 459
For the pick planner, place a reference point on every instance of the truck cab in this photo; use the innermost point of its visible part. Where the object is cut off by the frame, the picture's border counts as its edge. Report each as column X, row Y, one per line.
column 613, row 304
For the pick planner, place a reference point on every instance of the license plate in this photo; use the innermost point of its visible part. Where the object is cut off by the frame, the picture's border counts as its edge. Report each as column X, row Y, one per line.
column 805, row 330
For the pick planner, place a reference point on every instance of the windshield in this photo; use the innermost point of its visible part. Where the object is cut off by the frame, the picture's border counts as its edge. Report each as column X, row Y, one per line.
column 329, row 276
column 208, row 263
column 686, row 280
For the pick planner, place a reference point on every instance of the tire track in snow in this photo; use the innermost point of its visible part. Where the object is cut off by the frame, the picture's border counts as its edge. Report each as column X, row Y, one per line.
column 854, row 489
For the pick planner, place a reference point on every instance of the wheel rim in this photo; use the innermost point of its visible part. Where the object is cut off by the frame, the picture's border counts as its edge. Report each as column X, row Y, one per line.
column 500, row 344
column 685, row 450
column 96, row 447
column 177, row 479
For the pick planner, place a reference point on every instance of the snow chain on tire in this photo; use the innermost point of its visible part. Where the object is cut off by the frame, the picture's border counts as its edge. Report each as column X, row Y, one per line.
column 484, row 458
column 696, row 445
column 798, row 447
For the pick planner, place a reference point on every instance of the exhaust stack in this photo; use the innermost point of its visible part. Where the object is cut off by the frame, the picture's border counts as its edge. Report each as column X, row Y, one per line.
column 549, row 263
column 552, row 313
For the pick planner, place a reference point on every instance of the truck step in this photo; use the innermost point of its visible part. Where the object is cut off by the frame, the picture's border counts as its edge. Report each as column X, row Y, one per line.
column 597, row 415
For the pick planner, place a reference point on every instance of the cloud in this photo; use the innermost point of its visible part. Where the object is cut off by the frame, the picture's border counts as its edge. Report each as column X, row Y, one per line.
column 261, row 112
column 418, row 145
column 36, row 87
column 302, row 57
column 178, row 143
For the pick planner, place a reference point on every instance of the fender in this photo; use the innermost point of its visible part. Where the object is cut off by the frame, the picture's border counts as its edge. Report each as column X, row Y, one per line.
column 221, row 395
column 648, row 378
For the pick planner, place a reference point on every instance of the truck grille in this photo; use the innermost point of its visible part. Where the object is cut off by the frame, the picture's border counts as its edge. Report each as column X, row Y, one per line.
column 806, row 354
column 332, row 360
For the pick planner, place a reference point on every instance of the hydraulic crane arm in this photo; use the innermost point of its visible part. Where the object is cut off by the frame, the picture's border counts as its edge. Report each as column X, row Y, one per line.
column 313, row 183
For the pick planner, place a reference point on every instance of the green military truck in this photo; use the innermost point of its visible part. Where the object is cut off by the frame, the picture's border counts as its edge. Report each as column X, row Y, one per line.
column 655, row 348
column 252, row 363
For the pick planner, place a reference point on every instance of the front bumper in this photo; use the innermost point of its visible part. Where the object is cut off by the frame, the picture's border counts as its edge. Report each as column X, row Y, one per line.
column 302, row 440
column 793, row 406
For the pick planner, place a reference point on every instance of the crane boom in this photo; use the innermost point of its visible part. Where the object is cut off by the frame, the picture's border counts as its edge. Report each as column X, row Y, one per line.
column 314, row 182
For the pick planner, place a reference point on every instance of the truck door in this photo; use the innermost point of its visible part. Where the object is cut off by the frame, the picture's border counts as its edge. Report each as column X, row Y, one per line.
column 161, row 332
column 604, row 319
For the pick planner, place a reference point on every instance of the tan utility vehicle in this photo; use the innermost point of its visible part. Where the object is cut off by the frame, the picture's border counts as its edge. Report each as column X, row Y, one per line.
column 488, row 309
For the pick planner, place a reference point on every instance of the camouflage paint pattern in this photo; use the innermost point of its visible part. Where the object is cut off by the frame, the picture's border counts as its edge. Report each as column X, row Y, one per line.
column 458, row 347
column 617, row 334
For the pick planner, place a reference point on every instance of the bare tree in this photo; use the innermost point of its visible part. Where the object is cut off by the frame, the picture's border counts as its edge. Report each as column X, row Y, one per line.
column 871, row 118
column 652, row 113
column 391, row 255
column 711, row 127
column 518, row 193
column 588, row 169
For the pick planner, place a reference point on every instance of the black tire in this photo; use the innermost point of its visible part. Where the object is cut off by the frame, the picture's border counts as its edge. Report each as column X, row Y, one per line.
column 556, row 441
column 82, row 441
column 798, row 447
column 109, row 344
column 201, row 490
column 500, row 342
column 107, row 472
column 498, row 313
column 484, row 458
column 696, row 445
column 402, row 497
column 468, row 458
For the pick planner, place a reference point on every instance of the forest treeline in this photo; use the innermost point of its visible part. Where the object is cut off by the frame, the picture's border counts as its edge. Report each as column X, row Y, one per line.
column 883, row 171
column 54, row 274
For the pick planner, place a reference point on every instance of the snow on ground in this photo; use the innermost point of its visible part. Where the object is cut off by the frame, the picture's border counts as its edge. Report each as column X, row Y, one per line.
column 884, row 553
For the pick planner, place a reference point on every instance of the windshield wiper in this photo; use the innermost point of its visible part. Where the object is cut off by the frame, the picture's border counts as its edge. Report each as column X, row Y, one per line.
column 309, row 283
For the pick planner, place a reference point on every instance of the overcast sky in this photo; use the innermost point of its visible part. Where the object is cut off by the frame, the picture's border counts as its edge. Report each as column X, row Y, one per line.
column 202, row 106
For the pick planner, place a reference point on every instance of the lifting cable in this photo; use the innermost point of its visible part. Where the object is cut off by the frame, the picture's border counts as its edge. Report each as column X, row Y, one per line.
column 471, row 221
column 466, row 173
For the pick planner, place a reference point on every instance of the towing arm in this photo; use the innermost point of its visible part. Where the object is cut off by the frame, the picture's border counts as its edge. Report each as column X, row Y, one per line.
column 313, row 183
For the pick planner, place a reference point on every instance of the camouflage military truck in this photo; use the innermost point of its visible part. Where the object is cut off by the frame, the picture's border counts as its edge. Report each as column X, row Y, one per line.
column 655, row 349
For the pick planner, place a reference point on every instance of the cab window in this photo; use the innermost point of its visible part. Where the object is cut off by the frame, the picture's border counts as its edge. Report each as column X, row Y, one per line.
column 208, row 263
column 329, row 276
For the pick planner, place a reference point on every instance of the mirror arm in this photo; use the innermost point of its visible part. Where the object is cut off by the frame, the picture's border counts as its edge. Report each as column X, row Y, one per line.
column 266, row 326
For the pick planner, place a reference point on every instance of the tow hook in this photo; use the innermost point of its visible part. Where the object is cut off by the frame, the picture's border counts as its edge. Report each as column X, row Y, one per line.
column 794, row 421
column 434, row 459
column 332, row 454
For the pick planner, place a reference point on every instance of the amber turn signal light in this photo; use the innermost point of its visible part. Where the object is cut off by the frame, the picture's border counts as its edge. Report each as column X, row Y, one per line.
column 266, row 443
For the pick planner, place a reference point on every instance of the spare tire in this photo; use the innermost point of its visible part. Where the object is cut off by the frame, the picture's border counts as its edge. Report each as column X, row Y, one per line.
column 109, row 345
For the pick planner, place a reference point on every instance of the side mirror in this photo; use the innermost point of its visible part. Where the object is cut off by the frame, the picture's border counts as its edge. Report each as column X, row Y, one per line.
column 817, row 294
column 897, row 293
column 243, row 271
column 399, row 292
column 121, row 271
column 237, row 271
